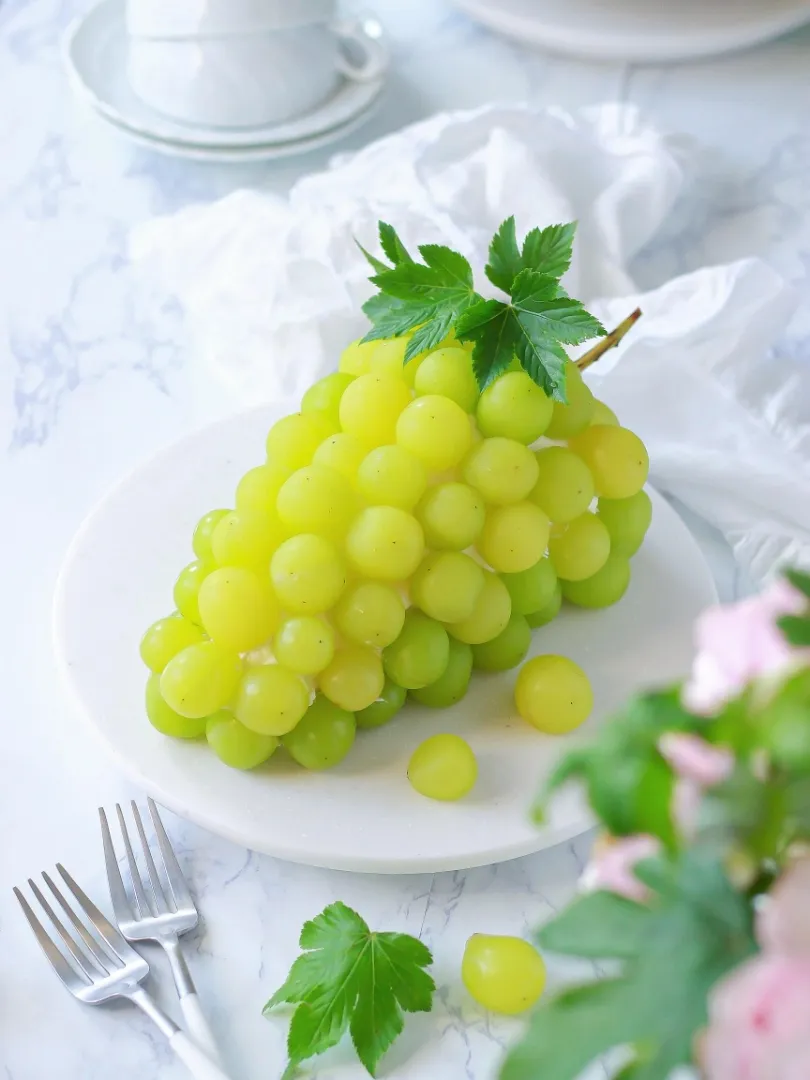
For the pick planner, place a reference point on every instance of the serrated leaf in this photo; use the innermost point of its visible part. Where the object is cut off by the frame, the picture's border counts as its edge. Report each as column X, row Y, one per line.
column 545, row 361
column 452, row 266
column 349, row 978
column 429, row 336
column 391, row 244
column 490, row 325
column 505, row 261
column 796, row 629
column 536, row 299
column 376, row 264
column 549, row 250
column 799, row 580
column 392, row 317
column 599, row 926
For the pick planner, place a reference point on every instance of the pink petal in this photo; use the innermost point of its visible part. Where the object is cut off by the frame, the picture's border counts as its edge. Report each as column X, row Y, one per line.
column 695, row 759
column 612, row 867
column 783, row 921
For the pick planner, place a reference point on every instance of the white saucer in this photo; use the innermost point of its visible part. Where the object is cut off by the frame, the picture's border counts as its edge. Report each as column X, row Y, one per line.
column 650, row 31
column 95, row 53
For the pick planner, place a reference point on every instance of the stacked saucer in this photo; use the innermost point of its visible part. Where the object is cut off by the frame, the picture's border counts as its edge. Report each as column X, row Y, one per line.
column 99, row 57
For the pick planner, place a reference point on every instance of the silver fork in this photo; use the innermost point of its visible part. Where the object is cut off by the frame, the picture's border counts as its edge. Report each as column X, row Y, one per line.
column 154, row 916
column 96, row 965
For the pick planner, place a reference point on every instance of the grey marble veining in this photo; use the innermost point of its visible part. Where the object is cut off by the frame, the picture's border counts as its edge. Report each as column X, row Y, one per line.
column 88, row 388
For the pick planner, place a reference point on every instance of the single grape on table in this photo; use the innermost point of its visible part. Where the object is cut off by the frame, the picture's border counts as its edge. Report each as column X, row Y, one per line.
column 406, row 528
column 504, row 974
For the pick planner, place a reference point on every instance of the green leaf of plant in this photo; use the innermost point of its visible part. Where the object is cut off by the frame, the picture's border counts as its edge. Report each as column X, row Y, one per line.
column 489, row 324
column 600, row 926
column 349, row 978
column 376, row 264
column 505, row 261
column 549, row 250
column 536, row 299
column 430, row 335
column 452, row 266
column 796, row 629
column 392, row 317
column 391, row 244
column 699, row 928
column 799, row 580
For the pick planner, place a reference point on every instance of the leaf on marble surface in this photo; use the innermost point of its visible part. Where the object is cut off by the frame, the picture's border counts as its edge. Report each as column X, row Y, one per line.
column 350, row 979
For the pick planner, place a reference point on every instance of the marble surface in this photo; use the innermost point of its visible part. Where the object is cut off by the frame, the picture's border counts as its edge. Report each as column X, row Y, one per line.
column 87, row 390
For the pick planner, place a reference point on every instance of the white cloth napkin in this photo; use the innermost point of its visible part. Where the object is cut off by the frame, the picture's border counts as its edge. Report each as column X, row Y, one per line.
column 271, row 290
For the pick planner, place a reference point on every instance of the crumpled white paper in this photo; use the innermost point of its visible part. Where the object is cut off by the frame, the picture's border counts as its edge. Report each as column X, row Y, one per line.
column 272, row 291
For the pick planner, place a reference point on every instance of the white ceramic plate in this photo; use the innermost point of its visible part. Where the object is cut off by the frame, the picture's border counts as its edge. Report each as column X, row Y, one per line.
column 95, row 52
column 645, row 31
column 363, row 815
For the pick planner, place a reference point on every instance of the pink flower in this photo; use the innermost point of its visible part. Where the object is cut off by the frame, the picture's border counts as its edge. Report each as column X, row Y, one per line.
column 738, row 643
column 783, row 921
column 759, row 1022
column 612, row 863
column 699, row 766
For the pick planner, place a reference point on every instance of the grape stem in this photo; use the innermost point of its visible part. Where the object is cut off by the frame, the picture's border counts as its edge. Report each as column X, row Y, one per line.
column 609, row 341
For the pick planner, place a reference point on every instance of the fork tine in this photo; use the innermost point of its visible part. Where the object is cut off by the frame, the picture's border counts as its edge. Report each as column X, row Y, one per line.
column 89, row 965
column 180, row 890
column 109, row 933
column 140, row 896
column 157, row 888
column 66, row 970
column 104, row 957
column 118, row 894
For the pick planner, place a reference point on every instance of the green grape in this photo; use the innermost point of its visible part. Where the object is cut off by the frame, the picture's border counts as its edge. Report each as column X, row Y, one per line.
column 271, row 700
column 531, row 589
column 553, row 694
column 513, row 405
column 293, row 440
column 245, row 538
column 579, row 548
column 236, row 745
column 304, row 643
column 385, row 708
column 564, row 487
column 308, row 574
column 385, row 542
column 390, row 476
column 443, row 767
column 506, row 650
column 448, row 372
column 490, row 615
column 436, row 430
column 451, row 685
column 257, row 490
column 370, row 613
column 447, row 585
column 607, row 586
column 355, row 358
column 602, row 414
column 165, row 638
column 514, row 537
column 370, row 407
column 165, row 720
column 201, row 541
column 504, row 471
column 627, row 521
column 575, row 415
column 420, row 653
column 504, row 974
column 341, row 452
column 548, row 611
column 316, row 499
column 201, row 679
column 324, row 395
column 187, row 588
column 617, row 459
column 323, row 738
column 354, row 679
column 389, row 359
column 452, row 516
column 238, row 609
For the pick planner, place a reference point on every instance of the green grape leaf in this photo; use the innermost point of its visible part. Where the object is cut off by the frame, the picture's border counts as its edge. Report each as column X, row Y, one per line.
column 505, row 262
column 698, row 927
column 549, row 250
column 392, row 245
column 799, row 580
column 796, row 629
column 599, row 926
column 350, row 979
column 376, row 264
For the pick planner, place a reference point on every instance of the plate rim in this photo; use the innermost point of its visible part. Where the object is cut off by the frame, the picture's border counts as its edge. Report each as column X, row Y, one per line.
column 545, row 838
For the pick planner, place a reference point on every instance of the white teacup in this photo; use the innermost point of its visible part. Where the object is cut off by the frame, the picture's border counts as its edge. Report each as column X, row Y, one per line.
column 242, row 63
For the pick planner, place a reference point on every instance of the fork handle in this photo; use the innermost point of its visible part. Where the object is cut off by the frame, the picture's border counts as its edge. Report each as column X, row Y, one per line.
column 197, row 1026
column 198, row 1063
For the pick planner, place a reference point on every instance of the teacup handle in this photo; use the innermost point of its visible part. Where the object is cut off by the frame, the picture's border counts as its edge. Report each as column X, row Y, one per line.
column 375, row 53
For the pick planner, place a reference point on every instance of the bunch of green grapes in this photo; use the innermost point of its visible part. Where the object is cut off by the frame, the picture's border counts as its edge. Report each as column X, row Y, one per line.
column 403, row 531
